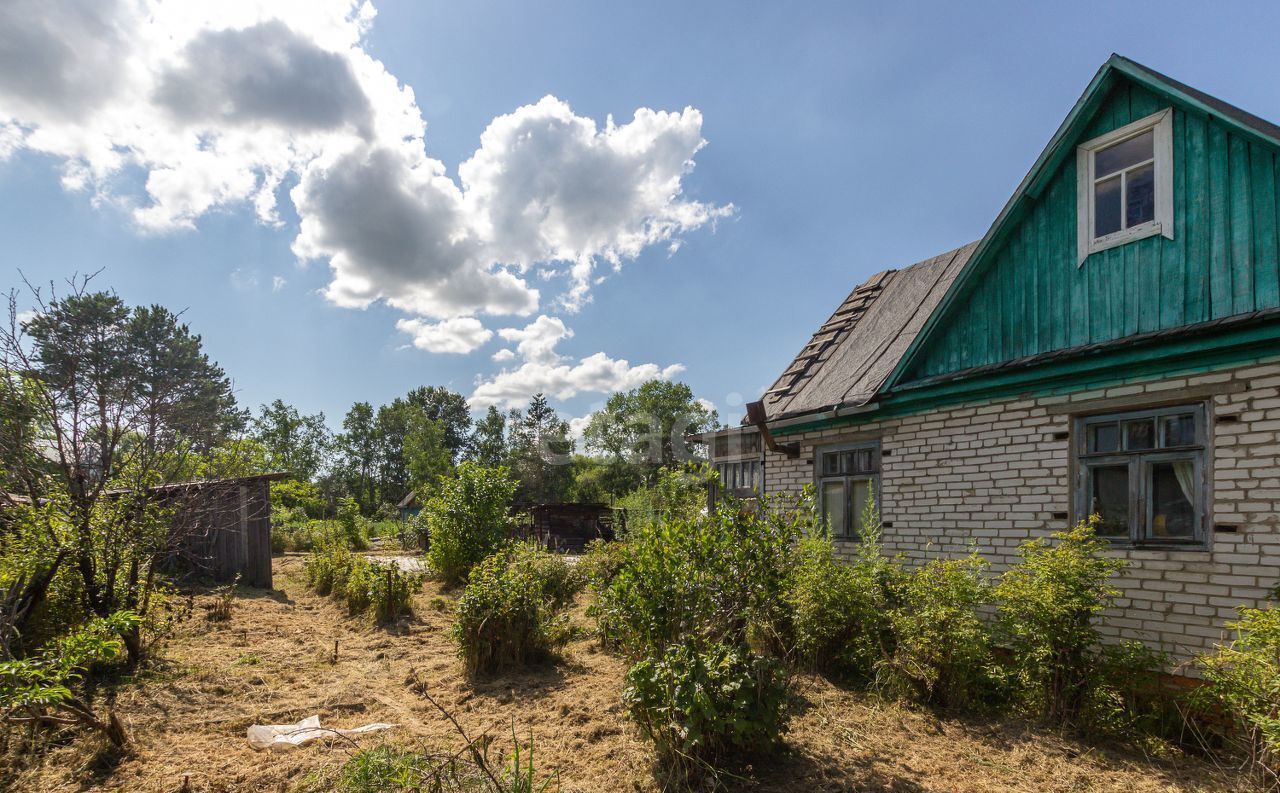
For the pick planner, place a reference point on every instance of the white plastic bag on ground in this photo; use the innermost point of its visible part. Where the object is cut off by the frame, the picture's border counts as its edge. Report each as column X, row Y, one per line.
column 280, row 737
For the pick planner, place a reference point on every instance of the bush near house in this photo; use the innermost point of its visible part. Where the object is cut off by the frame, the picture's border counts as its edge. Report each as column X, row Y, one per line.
column 1048, row 608
column 699, row 607
column 1244, row 680
column 840, row 610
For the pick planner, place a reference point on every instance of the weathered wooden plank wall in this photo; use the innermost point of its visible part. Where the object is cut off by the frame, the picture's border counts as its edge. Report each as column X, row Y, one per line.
column 1031, row 297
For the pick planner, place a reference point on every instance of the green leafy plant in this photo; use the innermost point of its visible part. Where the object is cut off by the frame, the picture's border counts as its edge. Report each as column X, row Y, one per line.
column 512, row 612
column 699, row 608
column 383, row 590
column 1244, row 680
column 1048, row 604
column 942, row 652
column 840, row 610
column 468, row 519
column 39, row 690
column 353, row 527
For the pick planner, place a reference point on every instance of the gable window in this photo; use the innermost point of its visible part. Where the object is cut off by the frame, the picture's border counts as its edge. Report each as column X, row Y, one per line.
column 1125, row 185
column 1143, row 474
column 846, row 477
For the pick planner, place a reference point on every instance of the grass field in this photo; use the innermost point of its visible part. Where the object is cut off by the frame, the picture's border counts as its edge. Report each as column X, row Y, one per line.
column 274, row 662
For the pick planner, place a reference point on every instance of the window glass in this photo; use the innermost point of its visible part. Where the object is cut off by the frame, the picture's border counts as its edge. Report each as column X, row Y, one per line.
column 1140, row 491
column 830, row 463
column 1139, row 435
column 1172, row 488
column 1179, row 430
column 859, row 489
column 1106, row 207
column 833, row 506
column 1109, row 498
column 1140, row 195
column 864, row 461
column 1124, row 154
column 1104, row 438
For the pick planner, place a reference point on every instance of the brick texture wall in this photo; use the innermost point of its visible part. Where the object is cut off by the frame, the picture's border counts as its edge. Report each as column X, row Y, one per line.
column 995, row 474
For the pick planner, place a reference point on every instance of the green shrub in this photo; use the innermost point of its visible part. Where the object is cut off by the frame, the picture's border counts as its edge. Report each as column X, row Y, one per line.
column 37, row 691
column 706, row 706
column 1047, row 606
column 840, row 610
column 601, row 562
column 468, row 519
column 1244, row 680
column 1127, row 697
column 942, row 652
column 512, row 612
column 676, row 494
column 698, row 606
column 383, row 590
column 327, row 569
column 353, row 526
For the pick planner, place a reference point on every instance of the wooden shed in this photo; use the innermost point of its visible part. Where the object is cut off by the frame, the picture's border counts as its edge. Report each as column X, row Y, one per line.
column 569, row 527
column 222, row 527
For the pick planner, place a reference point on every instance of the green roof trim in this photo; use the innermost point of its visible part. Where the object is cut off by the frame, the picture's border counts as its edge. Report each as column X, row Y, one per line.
column 1115, row 365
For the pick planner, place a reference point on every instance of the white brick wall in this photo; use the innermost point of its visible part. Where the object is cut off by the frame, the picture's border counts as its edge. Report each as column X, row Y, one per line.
column 993, row 474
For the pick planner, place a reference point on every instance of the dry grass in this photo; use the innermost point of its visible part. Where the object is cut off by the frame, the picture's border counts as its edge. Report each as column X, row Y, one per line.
column 272, row 662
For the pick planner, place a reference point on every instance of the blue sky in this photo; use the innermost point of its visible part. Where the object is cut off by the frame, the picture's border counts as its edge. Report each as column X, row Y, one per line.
column 847, row 138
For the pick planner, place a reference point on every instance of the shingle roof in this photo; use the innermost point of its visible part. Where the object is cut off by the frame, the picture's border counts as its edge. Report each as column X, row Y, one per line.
column 855, row 350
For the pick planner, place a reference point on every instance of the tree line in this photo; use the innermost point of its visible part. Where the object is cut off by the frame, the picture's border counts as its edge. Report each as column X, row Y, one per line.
column 381, row 455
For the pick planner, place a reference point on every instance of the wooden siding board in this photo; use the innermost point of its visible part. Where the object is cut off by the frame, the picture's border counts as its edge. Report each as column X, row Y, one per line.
column 1198, row 218
column 1220, row 289
column 1172, row 254
column 1261, row 174
column 1239, row 203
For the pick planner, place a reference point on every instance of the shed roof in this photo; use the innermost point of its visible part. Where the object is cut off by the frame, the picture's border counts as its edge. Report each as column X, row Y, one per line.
column 853, row 352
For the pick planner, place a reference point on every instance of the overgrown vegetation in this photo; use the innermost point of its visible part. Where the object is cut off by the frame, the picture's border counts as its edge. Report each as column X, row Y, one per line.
column 39, row 691
column 1048, row 605
column 468, row 519
column 1244, row 677
column 942, row 650
column 512, row 612
column 840, row 610
column 698, row 607
column 382, row 590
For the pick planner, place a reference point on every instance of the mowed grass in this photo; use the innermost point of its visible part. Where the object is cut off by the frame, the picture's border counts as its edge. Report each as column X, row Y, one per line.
column 289, row 654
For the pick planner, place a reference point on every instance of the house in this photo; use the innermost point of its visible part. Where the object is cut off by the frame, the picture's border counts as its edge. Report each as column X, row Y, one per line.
column 409, row 507
column 1110, row 346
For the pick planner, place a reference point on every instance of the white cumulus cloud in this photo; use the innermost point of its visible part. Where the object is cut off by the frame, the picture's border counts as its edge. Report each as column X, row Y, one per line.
column 458, row 335
column 544, row 370
column 219, row 105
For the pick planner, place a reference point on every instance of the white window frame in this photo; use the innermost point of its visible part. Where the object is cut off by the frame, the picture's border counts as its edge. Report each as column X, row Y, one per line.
column 1087, row 244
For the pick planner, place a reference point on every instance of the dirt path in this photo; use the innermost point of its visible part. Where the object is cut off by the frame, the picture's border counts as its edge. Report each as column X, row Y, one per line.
column 273, row 662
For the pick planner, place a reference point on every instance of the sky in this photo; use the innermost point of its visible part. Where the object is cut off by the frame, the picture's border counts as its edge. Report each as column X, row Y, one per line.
column 352, row 199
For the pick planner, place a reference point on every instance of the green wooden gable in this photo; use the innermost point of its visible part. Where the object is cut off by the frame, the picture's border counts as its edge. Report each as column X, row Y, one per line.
column 1024, row 293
